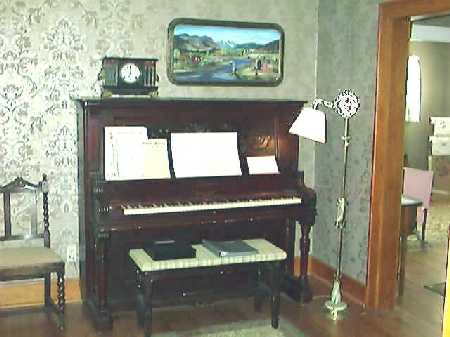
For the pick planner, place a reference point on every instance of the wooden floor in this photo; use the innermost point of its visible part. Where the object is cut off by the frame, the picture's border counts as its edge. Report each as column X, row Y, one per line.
column 419, row 313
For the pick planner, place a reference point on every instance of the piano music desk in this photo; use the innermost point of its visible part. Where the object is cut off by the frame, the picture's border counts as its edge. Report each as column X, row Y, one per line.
column 268, row 258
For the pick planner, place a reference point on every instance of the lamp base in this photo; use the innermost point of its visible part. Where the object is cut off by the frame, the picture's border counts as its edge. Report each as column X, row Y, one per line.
column 335, row 309
column 335, row 305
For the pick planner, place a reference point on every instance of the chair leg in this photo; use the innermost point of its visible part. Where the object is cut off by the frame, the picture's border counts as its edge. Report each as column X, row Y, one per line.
column 402, row 262
column 47, row 299
column 425, row 217
column 61, row 299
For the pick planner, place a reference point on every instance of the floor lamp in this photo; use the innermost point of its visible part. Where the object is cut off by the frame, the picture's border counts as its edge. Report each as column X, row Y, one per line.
column 311, row 124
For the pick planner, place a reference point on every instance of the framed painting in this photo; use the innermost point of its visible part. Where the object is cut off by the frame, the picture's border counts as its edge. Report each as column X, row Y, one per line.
column 205, row 52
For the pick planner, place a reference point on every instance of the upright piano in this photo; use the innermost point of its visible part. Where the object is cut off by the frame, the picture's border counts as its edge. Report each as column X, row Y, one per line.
column 116, row 216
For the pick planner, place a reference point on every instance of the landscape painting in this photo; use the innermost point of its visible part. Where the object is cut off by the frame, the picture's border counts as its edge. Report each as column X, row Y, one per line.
column 225, row 53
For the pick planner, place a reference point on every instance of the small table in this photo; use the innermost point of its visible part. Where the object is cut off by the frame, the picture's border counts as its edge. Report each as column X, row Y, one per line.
column 268, row 258
column 407, row 219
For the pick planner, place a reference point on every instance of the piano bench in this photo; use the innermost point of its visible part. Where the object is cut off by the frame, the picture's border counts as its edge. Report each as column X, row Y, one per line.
column 268, row 258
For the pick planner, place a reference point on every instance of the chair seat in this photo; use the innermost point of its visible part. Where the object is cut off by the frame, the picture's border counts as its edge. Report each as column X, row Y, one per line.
column 14, row 261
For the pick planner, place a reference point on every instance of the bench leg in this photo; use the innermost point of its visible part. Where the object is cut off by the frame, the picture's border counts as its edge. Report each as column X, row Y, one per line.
column 259, row 297
column 140, row 299
column 147, row 309
column 276, row 271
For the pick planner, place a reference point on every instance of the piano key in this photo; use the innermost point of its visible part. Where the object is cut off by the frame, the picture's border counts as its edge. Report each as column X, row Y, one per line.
column 208, row 205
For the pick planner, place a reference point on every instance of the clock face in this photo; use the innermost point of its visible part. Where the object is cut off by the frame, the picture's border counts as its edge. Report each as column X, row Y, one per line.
column 130, row 73
column 347, row 103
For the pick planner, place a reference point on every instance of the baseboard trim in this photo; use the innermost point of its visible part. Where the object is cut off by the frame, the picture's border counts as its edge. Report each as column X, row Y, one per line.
column 30, row 293
column 19, row 294
column 351, row 288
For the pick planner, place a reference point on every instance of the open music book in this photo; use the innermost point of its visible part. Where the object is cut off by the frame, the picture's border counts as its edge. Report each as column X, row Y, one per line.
column 129, row 154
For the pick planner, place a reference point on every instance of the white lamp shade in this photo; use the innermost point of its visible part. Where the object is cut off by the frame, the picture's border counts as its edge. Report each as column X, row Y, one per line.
column 310, row 124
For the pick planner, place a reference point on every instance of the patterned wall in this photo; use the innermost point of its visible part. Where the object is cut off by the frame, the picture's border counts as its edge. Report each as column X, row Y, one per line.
column 346, row 59
column 51, row 50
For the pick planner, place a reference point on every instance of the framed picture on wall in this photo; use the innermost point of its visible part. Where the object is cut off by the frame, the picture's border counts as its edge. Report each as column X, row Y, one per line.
column 205, row 52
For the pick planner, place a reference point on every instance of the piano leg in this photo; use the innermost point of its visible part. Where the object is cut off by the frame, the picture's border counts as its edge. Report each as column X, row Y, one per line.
column 99, row 306
column 305, row 243
column 298, row 287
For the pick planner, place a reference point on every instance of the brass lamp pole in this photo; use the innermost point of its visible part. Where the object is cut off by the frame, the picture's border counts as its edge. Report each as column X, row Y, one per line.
column 346, row 104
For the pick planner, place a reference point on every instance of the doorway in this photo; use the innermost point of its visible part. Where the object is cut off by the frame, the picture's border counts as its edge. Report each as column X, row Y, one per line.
column 426, row 118
column 393, row 38
column 428, row 115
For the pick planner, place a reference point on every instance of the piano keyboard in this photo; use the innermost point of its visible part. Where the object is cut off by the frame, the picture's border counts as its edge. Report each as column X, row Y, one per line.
column 139, row 209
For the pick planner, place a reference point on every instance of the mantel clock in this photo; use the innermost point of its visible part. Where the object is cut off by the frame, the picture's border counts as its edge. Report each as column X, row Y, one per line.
column 129, row 76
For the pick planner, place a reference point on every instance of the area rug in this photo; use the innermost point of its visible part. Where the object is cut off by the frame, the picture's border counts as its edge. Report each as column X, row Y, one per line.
column 438, row 288
column 240, row 329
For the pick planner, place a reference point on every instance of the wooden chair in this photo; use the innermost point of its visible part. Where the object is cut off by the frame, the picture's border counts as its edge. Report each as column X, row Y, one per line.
column 21, row 260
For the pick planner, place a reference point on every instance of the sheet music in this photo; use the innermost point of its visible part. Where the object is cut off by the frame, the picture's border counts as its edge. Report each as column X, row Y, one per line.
column 156, row 159
column 130, row 158
column 205, row 154
column 262, row 165
column 130, row 155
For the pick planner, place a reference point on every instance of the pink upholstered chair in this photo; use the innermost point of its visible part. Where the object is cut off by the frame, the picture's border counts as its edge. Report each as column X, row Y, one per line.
column 418, row 184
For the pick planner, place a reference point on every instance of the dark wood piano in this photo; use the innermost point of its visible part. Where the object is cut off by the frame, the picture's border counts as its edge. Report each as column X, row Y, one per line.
column 246, row 209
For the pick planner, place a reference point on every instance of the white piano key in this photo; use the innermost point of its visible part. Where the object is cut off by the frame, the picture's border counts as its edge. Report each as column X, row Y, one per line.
column 209, row 205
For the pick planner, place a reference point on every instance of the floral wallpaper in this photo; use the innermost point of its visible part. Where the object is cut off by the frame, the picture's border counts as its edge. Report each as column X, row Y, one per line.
column 346, row 60
column 51, row 51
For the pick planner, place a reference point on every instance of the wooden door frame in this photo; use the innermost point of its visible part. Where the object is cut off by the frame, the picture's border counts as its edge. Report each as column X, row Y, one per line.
column 384, row 226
